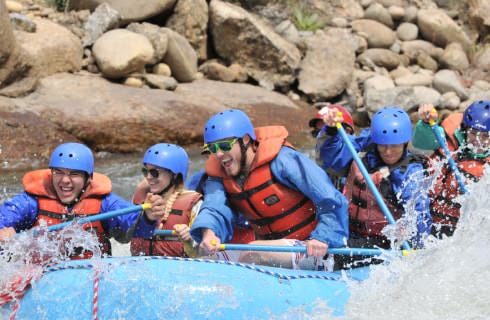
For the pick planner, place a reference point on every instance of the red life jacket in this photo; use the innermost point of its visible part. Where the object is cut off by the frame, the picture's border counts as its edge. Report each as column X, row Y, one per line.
column 167, row 245
column 273, row 210
column 365, row 216
column 444, row 209
column 51, row 211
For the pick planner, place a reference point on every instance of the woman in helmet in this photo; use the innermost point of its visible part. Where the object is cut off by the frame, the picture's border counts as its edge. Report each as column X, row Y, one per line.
column 398, row 175
column 71, row 188
column 165, row 168
column 468, row 137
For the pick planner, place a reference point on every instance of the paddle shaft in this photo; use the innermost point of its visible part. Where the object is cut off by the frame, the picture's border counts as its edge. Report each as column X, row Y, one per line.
column 369, row 181
column 447, row 153
column 252, row 247
column 301, row 249
column 98, row 217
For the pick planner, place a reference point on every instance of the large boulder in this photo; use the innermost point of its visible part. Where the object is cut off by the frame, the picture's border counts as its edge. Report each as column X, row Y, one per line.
column 437, row 27
column 112, row 117
column 51, row 49
column 27, row 137
column 12, row 64
column 180, row 57
column 405, row 97
column 240, row 37
column 190, row 19
column 130, row 10
column 328, row 66
column 120, row 52
column 479, row 16
column 377, row 34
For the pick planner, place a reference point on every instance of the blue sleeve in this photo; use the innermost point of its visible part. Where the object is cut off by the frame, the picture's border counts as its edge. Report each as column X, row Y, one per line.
column 412, row 191
column 215, row 214
column 298, row 172
column 333, row 152
column 193, row 182
column 19, row 212
column 118, row 227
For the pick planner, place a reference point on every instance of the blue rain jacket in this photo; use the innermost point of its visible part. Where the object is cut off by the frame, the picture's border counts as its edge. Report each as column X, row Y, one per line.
column 409, row 183
column 296, row 171
column 20, row 212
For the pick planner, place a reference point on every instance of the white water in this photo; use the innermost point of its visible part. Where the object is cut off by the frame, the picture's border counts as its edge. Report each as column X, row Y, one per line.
column 450, row 279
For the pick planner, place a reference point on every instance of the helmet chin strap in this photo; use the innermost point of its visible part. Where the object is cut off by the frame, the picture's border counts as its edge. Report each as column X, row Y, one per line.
column 243, row 151
column 170, row 185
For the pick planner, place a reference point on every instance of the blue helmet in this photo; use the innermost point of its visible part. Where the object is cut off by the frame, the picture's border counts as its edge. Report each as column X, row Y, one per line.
column 391, row 125
column 477, row 116
column 74, row 156
column 232, row 123
column 168, row 156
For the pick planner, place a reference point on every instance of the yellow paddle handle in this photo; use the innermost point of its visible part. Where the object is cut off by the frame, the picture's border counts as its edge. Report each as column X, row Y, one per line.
column 145, row 206
column 339, row 124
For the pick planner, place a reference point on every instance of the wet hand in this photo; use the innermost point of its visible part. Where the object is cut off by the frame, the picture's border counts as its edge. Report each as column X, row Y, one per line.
column 183, row 231
column 157, row 210
column 210, row 242
column 316, row 248
column 7, row 233
column 427, row 113
column 331, row 116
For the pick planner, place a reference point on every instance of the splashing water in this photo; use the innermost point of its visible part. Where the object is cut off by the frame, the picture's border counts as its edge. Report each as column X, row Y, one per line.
column 447, row 280
column 36, row 248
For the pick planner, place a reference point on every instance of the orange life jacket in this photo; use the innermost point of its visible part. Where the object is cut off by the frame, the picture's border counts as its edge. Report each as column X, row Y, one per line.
column 444, row 209
column 273, row 210
column 167, row 245
column 365, row 216
column 51, row 211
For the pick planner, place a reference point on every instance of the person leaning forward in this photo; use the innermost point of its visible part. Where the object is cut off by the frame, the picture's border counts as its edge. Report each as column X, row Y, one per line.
column 284, row 195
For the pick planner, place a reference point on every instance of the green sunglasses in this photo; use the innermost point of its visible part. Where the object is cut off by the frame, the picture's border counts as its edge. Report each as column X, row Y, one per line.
column 223, row 145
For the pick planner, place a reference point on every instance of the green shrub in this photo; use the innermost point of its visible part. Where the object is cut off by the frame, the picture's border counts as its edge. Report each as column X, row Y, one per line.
column 305, row 20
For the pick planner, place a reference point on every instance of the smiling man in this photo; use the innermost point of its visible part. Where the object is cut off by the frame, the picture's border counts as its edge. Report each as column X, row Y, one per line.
column 70, row 189
column 285, row 196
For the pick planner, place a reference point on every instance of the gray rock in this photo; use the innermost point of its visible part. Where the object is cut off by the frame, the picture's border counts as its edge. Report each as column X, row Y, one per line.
column 104, row 18
column 379, row 13
column 407, row 31
column 157, row 36
column 448, row 80
column 377, row 34
column 22, row 23
column 405, row 97
column 454, row 57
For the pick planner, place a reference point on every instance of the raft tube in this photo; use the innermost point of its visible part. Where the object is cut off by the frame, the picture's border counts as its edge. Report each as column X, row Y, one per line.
column 181, row 288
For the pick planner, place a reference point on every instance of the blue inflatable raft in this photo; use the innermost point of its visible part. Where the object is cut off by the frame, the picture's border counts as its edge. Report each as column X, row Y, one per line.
column 179, row 288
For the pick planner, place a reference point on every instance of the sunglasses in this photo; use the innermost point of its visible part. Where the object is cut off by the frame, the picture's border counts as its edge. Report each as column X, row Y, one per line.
column 223, row 145
column 153, row 172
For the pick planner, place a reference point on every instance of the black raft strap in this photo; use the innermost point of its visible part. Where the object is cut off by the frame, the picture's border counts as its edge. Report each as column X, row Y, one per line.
column 62, row 217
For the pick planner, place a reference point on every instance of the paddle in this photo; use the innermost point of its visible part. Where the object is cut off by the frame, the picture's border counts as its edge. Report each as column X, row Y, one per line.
column 339, row 251
column 253, row 247
column 368, row 179
column 447, row 153
column 164, row 233
column 101, row 216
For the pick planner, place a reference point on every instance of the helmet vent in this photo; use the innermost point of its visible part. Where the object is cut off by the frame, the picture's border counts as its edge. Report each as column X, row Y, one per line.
column 395, row 131
column 385, row 132
column 156, row 152
column 213, row 127
column 60, row 154
column 70, row 155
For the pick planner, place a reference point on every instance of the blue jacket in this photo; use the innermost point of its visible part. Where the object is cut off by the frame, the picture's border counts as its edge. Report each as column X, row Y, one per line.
column 296, row 171
column 409, row 183
column 197, row 181
column 20, row 212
